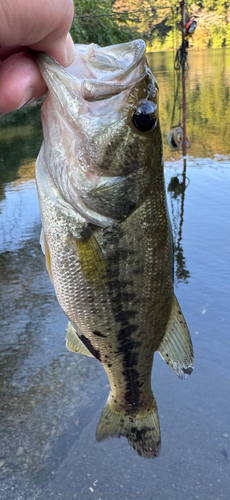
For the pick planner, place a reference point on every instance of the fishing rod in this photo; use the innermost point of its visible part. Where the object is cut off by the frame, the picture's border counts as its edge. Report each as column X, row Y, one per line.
column 184, row 60
column 177, row 137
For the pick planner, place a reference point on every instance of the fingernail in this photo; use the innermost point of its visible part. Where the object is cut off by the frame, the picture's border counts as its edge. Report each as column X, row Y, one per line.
column 27, row 97
column 70, row 53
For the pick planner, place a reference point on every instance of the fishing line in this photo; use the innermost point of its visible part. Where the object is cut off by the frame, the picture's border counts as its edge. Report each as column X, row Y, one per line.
column 181, row 66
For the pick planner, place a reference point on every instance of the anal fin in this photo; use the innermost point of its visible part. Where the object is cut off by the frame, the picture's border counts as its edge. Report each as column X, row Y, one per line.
column 74, row 344
column 176, row 347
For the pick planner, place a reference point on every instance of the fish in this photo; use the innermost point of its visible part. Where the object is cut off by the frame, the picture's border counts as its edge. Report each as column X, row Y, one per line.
column 106, row 234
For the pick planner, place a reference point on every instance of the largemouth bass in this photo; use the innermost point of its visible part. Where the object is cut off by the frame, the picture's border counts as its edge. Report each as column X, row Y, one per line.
column 106, row 231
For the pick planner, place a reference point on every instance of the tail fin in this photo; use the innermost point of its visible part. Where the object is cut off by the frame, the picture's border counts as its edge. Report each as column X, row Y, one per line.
column 141, row 429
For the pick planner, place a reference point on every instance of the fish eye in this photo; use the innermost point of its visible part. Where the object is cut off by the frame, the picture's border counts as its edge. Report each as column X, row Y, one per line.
column 144, row 117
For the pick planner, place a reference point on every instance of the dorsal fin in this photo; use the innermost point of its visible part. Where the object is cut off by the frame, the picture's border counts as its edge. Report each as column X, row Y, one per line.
column 176, row 347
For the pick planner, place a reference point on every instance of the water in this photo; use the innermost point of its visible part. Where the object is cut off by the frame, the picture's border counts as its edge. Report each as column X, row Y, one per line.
column 51, row 399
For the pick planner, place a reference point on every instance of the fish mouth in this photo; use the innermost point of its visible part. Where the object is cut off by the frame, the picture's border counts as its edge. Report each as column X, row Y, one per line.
column 90, row 104
column 99, row 73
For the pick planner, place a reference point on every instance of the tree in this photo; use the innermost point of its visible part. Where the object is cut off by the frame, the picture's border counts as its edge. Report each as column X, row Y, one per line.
column 158, row 22
column 95, row 22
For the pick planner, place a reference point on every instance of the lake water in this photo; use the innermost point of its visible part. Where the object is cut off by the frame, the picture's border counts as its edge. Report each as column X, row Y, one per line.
column 51, row 399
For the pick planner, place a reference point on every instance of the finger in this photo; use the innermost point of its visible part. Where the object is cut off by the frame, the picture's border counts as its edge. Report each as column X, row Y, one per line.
column 42, row 26
column 20, row 82
column 62, row 50
column 8, row 51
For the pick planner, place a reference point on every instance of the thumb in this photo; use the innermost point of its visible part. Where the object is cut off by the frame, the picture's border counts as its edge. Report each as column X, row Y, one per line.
column 62, row 50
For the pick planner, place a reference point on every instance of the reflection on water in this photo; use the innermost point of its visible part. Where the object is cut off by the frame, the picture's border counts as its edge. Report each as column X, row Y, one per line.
column 50, row 399
column 176, row 188
column 20, row 140
column 21, row 212
column 208, row 99
column 208, row 123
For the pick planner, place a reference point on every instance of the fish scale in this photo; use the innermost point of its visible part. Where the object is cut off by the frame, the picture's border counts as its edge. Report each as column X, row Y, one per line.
column 106, row 231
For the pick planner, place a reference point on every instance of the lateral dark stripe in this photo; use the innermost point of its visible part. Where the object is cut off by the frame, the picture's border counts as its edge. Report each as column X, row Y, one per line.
column 121, row 300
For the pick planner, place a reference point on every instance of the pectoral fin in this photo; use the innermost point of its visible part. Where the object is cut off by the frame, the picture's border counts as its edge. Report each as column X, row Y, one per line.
column 74, row 344
column 176, row 347
column 93, row 263
column 46, row 251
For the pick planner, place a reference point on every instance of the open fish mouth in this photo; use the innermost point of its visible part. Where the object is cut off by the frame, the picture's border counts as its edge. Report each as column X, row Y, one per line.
column 100, row 72
column 99, row 119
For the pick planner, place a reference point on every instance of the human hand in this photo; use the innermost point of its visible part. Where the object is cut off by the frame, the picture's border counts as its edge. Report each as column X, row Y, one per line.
column 40, row 25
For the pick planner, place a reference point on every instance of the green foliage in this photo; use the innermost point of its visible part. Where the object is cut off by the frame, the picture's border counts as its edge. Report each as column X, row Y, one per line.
column 94, row 23
column 209, row 4
column 171, row 39
column 155, row 44
column 227, row 39
column 202, row 38
column 218, row 34
column 109, row 22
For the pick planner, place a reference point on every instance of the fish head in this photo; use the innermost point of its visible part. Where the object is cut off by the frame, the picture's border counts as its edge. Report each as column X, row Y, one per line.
column 102, row 137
